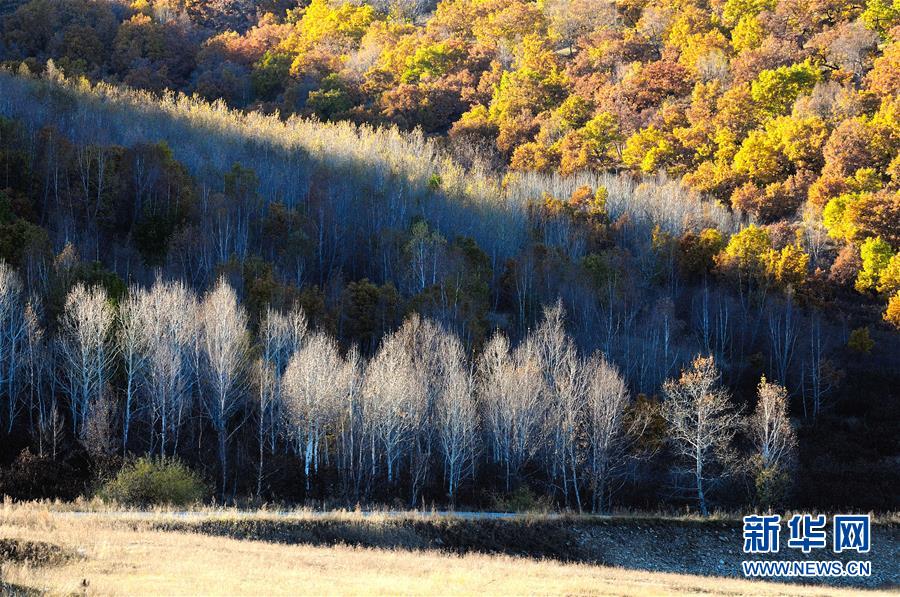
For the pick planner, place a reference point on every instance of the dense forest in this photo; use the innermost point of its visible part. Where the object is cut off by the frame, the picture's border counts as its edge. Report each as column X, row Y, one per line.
column 600, row 254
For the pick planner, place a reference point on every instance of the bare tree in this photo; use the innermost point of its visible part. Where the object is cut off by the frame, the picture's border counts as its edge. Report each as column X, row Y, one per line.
column 423, row 340
column 770, row 428
column 457, row 415
column 608, row 430
column 281, row 336
column 586, row 400
column 393, row 391
column 12, row 340
column 86, row 349
column 352, row 429
column 510, row 389
column 570, row 19
column 566, row 387
column 493, row 365
column 99, row 437
column 775, row 443
column 713, row 325
column 424, row 250
column 404, row 9
column 264, row 378
column 820, row 377
column 782, row 339
column 36, row 363
column 851, row 45
column 702, row 424
column 54, row 430
column 316, row 385
column 169, row 326
column 132, row 346
column 563, row 389
column 224, row 349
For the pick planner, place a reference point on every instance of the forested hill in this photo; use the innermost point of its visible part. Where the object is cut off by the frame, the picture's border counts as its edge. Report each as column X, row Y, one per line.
column 683, row 180
column 785, row 112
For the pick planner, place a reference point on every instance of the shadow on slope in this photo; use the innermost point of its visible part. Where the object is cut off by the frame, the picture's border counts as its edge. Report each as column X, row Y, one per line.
column 709, row 548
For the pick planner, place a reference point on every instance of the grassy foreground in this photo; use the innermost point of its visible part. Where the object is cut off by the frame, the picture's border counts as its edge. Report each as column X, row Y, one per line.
column 44, row 551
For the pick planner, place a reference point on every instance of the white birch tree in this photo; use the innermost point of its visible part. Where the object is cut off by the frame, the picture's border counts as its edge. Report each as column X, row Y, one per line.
column 169, row 326
column 702, row 423
column 457, row 415
column 224, row 350
column 510, row 389
column 132, row 347
column 37, row 362
column 12, row 341
column 774, row 442
column 281, row 336
column 565, row 387
column 353, row 428
column 608, row 433
column 86, row 348
column 316, row 385
column 770, row 428
column 393, row 390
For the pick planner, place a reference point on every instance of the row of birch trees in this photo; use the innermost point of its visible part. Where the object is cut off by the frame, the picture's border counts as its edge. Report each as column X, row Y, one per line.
column 143, row 374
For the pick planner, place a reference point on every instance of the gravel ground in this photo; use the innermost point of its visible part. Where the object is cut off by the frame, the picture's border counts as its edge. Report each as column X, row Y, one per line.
column 716, row 549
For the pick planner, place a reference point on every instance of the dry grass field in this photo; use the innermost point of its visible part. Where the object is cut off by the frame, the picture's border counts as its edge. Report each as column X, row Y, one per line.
column 125, row 555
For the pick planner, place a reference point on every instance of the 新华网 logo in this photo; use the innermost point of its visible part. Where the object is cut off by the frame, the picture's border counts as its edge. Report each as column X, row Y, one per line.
column 850, row 532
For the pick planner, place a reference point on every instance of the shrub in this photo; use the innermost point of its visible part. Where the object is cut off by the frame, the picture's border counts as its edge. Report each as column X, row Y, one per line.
column 860, row 341
column 32, row 477
column 521, row 499
column 772, row 487
column 154, row 481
